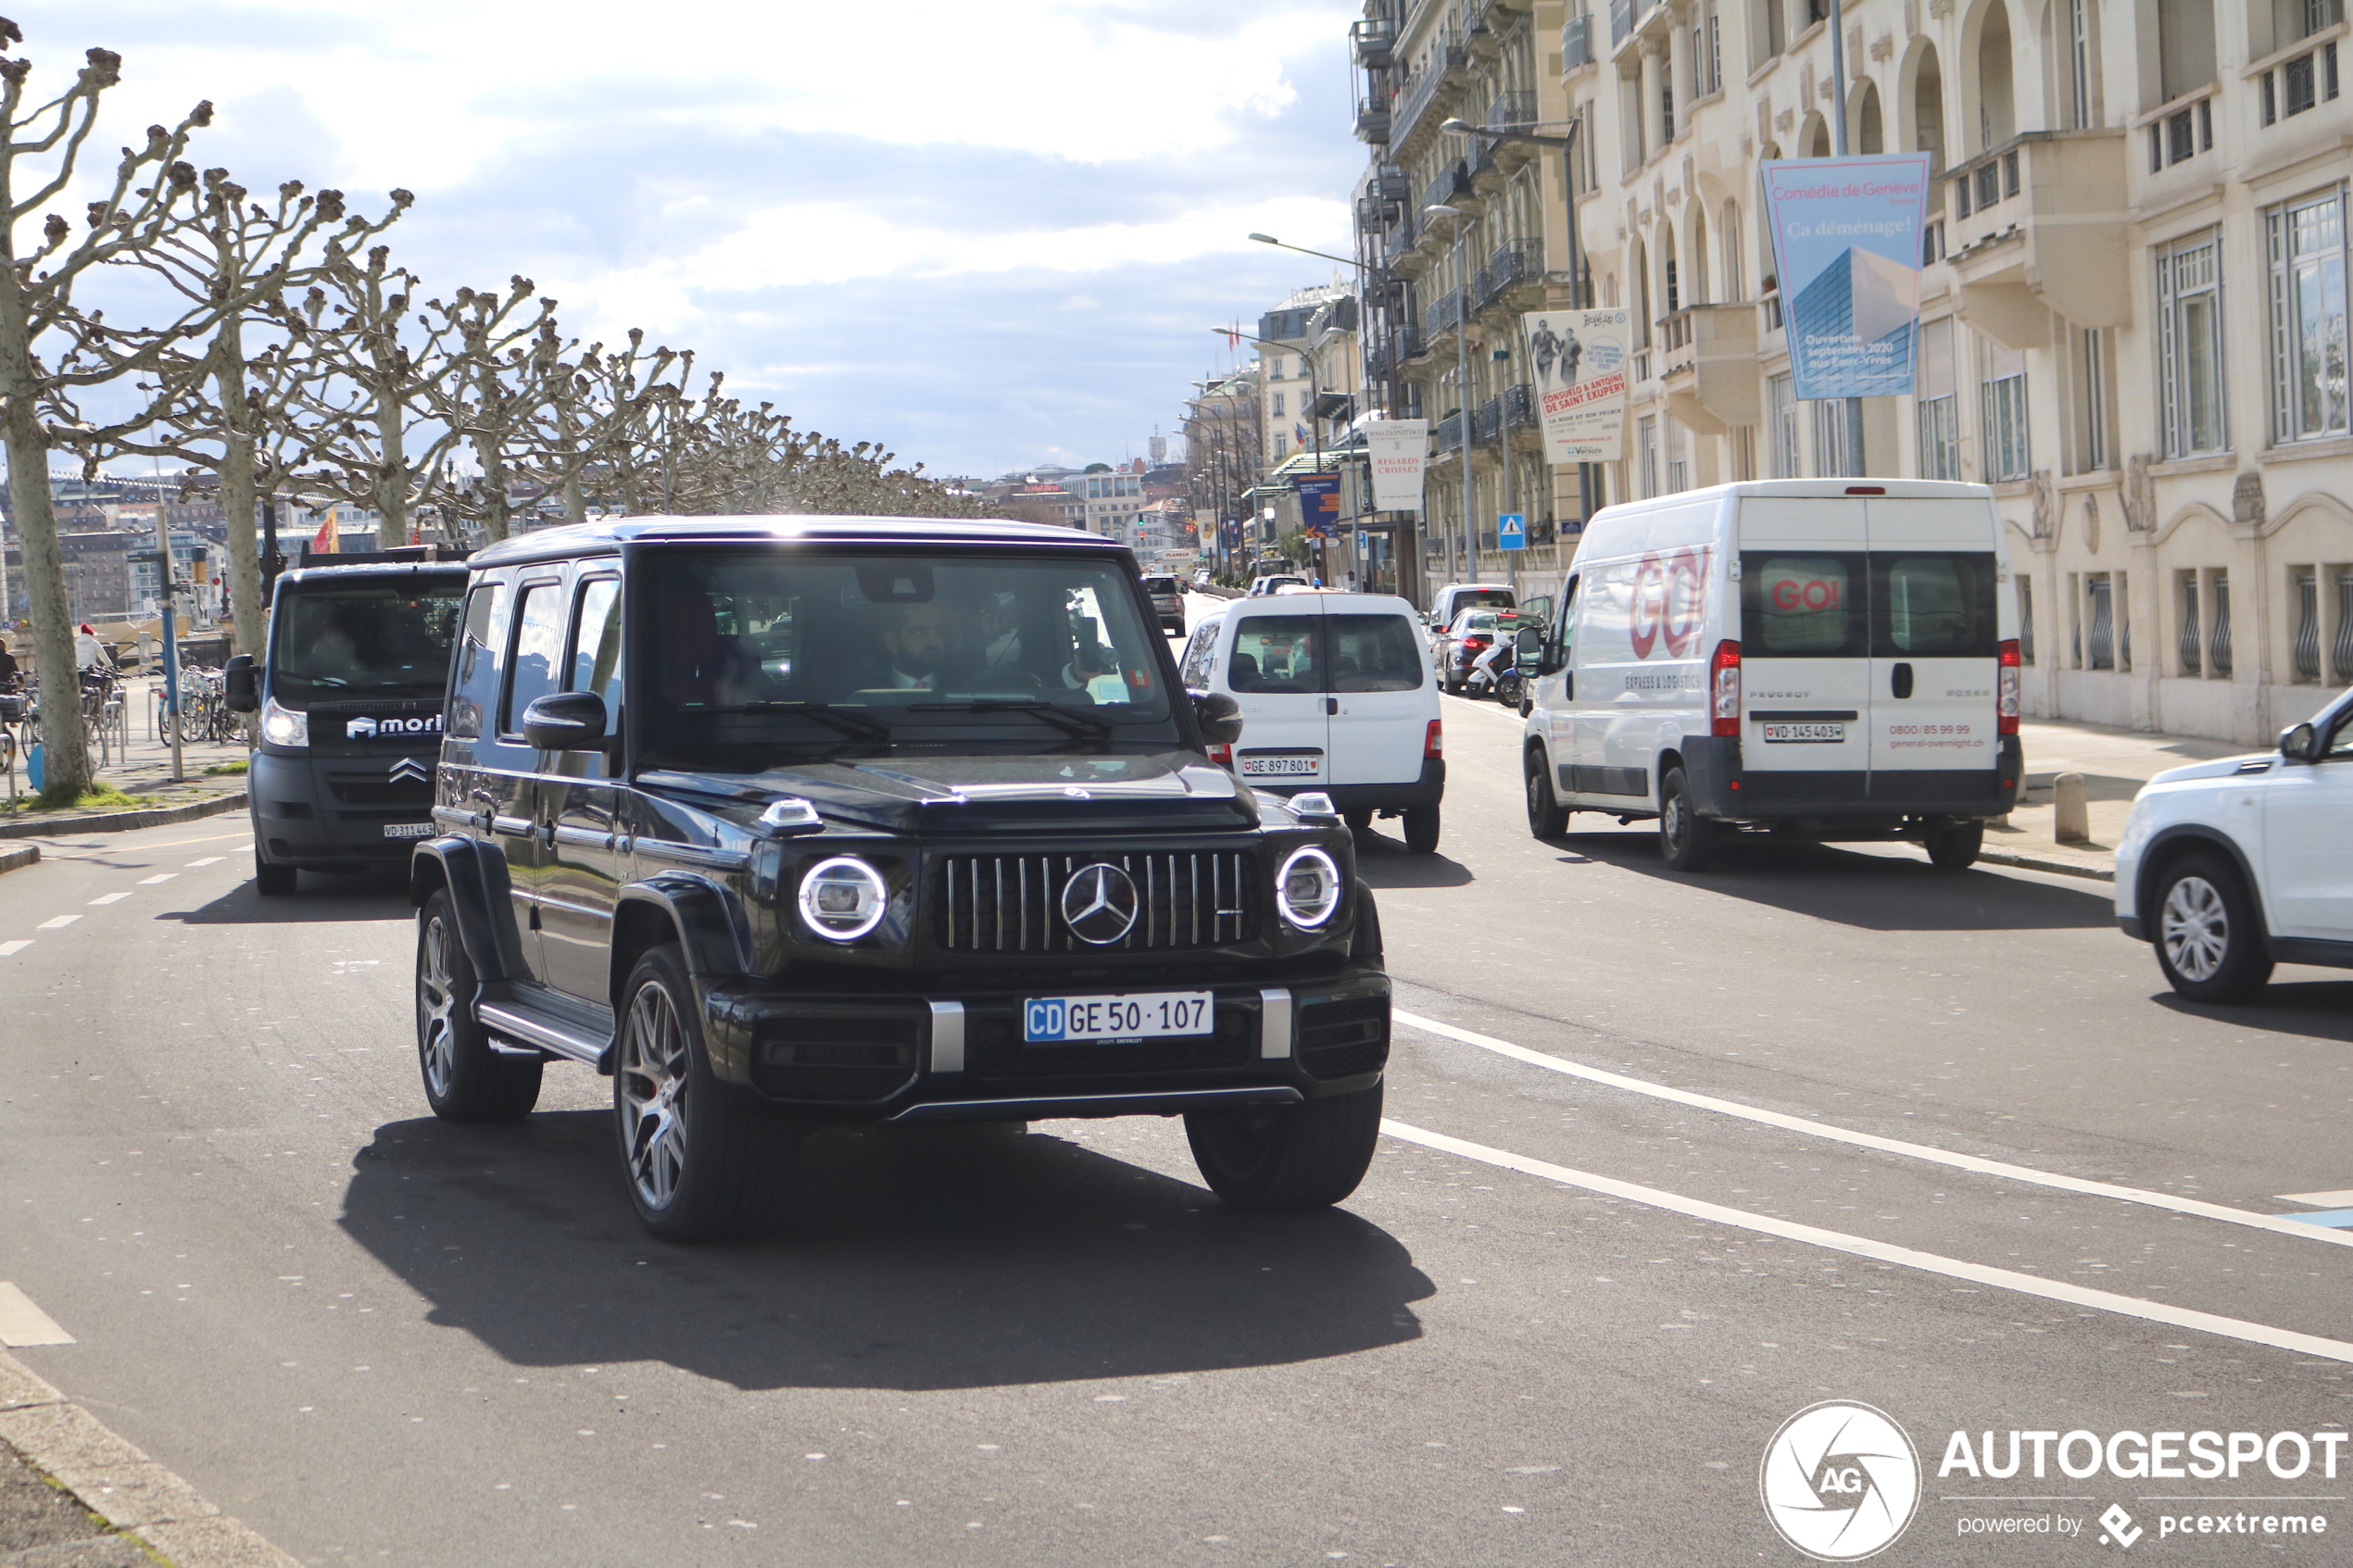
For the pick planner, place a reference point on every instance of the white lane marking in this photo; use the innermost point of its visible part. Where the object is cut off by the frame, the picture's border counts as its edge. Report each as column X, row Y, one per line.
column 167, row 844
column 151, row 881
column 111, row 897
column 207, row 861
column 59, row 923
column 22, row 1322
column 1890, row 1146
column 2319, row 1199
column 1864, row 1247
column 8, row 949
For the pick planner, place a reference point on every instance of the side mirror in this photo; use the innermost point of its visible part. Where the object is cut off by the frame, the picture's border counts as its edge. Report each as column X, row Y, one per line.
column 1221, row 719
column 240, row 687
column 565, row 721
column 1529, row 645
column 2298, row 744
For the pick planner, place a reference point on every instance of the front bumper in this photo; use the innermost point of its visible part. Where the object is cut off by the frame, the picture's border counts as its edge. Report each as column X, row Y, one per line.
column 332, row 810
column 868, row 1058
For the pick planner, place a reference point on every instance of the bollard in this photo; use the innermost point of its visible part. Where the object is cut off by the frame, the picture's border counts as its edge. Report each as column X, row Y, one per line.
column 2072, row 822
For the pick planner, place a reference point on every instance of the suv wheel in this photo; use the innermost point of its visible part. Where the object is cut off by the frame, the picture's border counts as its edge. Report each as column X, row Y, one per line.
column 466, row 1079
column 1547, row 818
column 1686, row 839
column 2208, row 941
column 699, row 1167
column 271, row 881
column 1304, row 1155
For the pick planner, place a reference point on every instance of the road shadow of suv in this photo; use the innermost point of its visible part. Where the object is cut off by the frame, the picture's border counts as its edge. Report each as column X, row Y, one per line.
column 913, row 1260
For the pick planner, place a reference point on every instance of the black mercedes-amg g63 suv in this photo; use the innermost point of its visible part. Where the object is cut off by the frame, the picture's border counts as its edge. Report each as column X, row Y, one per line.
column 783, row 821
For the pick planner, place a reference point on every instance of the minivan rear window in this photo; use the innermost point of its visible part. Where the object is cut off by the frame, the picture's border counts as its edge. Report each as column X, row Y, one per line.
column 1888, row 604
column 1933, row 604
column 1160, row 586
column 1804, row 605
column 1275, row 653
column 1374, row 653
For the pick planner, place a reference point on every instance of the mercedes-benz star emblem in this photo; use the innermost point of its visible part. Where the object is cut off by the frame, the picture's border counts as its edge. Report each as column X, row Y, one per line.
column 1099, row 904
column 410, row 769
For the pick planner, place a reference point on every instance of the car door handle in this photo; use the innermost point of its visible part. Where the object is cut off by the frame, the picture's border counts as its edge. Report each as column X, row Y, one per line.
column 1331, row 706
column 1899, row 679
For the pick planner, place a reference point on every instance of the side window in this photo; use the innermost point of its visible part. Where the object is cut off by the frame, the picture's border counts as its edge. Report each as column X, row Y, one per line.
column 1275, row 653
column 2340, row 745
column 536, row 659
column 595, row 664
column 473, row 673
column 1564, row 628
column 1201, row 656
column 1374, row 653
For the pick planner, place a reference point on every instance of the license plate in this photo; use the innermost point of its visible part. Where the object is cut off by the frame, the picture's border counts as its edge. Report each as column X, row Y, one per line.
column 1146, row 1015
column 1279, row 767
column 1814, row 733
column 408, row 830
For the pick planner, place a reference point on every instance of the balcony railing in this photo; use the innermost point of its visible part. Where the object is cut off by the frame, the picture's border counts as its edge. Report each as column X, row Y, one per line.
column 1519, row 404
column 1449, row 58
column 1406, row 342
column 1623, row 15
column 1443, row 314
column 1373, row 40
column 1488, row 421
column 1452, row 183
column 1510, row 108
column 1577, row 42
column 1372, row 125
column 1446, row 435
column 1514, row 261
column 1388, row 183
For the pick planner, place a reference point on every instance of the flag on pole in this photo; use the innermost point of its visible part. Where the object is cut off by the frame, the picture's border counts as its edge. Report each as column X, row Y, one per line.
column 325, row 542
column 1299, row 433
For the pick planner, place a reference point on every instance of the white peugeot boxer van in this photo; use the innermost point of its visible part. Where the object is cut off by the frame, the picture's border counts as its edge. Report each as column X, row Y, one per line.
column 1337, row 695
column 1830, row 659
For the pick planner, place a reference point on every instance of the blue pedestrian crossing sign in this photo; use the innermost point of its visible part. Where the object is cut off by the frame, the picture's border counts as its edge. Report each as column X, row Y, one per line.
column 1511, row 530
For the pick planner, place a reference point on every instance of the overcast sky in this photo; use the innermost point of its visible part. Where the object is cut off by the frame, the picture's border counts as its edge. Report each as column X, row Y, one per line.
column 989, row 235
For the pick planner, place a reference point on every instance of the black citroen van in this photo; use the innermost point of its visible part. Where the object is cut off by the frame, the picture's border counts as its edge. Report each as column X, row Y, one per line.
column 788, row 822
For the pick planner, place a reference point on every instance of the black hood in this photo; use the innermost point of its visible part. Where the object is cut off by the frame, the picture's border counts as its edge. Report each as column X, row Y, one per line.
column 1169, row 792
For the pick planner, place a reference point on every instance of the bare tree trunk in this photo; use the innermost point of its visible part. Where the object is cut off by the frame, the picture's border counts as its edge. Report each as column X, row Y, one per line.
column 64, row 740
column 237, row 492
column 392, row 466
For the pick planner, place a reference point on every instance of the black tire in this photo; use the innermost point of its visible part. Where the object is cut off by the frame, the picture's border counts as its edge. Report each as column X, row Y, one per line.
column 271, row 881
column 1307, row 1155
column 1955, row 847
column 1547, row 818
column 1421, row 829
column 1358, row 818
column 699, row 1166
column 465, row 1079
column 2208, row 934
column 1686, row 840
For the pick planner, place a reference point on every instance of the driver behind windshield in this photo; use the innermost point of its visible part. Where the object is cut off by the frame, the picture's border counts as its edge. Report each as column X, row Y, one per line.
column 927, row 642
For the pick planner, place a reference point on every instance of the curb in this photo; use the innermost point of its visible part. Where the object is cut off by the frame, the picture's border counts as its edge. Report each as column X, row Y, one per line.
column 125, row 822
column 17, row 859
column 2037, row 863
column 146, row 1503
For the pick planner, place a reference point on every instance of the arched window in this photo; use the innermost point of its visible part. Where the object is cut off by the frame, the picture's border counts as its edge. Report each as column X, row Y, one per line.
column 1670, row 289
column 1697, row 282
column 1727, row 239
column 1869, row 135
column 1814, row 137
column 1928, row 110
column 1996, row 108
column 1638, row 272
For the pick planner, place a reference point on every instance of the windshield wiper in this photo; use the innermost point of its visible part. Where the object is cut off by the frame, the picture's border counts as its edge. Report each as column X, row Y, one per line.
column 855, row 724
column 1086, row 726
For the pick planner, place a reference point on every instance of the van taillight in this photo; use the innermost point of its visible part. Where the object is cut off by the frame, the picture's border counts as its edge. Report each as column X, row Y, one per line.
column 1726, row 711
column 2006, row 692
column 1434, row 743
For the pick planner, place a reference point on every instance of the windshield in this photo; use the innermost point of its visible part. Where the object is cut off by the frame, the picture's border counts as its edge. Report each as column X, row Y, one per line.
column 1499, row 597
column 384, row 640
column 756, row 658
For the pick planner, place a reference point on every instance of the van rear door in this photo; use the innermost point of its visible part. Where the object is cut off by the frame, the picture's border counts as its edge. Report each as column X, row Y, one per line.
column 1381, row 697
column 1273, row 669
column 1804, row 648
column 1936, row 639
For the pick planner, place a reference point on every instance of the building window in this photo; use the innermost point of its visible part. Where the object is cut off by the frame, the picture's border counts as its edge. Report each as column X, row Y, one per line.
column 2303, row 585
column 2307, row 242
column 1646, row 453
column 2097, row 588
column 1665, row 106
column 1833, row 455
column 2093, row 423
column 2025, row 618
column 1282, row 446
column 2218, row 642
column 1939, row 408
column 2192, row 651
column 1279, row 405
column 2004, row 414
column 1678, row 458
column 2189, row 289
column 1782, row 393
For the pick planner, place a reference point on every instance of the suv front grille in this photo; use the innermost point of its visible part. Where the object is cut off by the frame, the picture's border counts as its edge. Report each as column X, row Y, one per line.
column 380, row 792
column 1013, row 903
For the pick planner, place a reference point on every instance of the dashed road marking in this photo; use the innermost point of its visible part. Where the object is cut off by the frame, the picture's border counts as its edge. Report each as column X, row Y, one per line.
column 2320, row 1199
column 111, row 897
column 22, row 1322
column 58, row 923
column 1880, row 1251
column 162, row 876
column 2276, row 1225
column 10, row 948
column 207, row 861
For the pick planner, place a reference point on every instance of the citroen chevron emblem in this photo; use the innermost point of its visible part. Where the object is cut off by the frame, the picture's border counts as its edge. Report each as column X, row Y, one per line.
column 1099, row 904
column 410, row 769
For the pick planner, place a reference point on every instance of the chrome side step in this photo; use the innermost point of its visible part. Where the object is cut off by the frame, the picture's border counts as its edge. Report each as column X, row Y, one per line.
column 541, row 1033
column 1166, row 1102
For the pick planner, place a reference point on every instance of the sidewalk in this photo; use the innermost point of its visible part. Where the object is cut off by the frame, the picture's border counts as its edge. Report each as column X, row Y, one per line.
column 145, row 770
column 2114, row 763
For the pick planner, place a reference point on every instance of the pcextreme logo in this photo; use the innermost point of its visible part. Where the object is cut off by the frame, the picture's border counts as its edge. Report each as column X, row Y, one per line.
column 1839, row 1481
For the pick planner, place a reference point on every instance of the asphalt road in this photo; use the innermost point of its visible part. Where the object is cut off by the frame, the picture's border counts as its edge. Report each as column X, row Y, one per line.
column 1945, row 1145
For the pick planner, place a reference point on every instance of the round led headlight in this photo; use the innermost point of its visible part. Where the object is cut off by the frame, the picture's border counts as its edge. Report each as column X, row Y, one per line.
column 1307, row 890
column 843, row 898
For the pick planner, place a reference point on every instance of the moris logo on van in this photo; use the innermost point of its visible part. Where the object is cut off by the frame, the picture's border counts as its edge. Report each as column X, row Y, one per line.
column 370, row 728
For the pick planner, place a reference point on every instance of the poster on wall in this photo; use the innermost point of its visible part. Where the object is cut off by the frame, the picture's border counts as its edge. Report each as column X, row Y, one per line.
column 1846, row 246
column 1578, row 360
column 1398, row 450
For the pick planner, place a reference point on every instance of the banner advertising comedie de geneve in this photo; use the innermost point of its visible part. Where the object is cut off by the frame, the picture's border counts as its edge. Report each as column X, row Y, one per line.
column 1398, row 449
column 1579, row 357
column 1846, row 244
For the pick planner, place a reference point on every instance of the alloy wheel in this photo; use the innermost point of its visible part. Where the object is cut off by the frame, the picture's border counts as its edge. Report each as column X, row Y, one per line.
column 2194, row 928
column 436, row 1007
column 653, row 1096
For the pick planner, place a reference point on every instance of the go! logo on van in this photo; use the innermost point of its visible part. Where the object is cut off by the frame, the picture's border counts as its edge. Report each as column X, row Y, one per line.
column 1671, row 602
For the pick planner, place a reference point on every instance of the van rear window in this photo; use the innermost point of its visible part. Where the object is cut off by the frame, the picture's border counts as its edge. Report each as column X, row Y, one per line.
column 1888, row 604
column 1804, row 605
column 1933, row 604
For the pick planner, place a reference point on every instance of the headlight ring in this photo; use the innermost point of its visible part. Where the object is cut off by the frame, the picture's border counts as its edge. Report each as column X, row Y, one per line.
column 1307, row 890
column 843, row 898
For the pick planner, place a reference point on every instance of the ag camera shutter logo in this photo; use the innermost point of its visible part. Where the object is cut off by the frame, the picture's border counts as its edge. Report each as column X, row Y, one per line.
column 1839, row 1481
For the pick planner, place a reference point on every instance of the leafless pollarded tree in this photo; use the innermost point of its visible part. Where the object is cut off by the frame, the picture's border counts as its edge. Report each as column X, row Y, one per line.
column 488, row 392
column 597, row 414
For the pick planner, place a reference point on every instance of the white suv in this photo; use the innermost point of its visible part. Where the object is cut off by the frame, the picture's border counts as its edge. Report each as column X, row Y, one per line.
column 2230, row 867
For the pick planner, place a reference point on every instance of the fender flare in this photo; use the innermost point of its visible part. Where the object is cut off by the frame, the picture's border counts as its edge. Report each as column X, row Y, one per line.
column 476, row 879
column 708, row 918
column 2203, row 837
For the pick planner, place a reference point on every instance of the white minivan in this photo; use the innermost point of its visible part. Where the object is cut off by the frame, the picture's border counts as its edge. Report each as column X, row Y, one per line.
column 1337, row 695
column 1833, row 658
